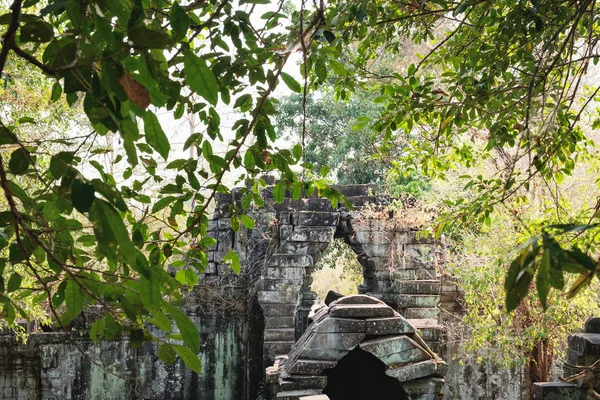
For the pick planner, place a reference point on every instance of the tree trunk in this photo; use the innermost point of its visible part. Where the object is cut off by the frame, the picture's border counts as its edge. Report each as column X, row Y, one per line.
column 539, row 365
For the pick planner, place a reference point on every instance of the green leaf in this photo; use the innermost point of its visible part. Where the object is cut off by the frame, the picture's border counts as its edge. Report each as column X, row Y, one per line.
column 20, row 160
column 150, row 293
column 187, row 277
column 279, row 192
column 155, row 136
column 233, row 260
column 7, row 137
column 14, row 282
column 324, row 171
column 162, row 203
column 543, row 278
column 56, row 92
column 520, row 275
column 97, row 330
column 59, row 163
column 291, row 83
column 36, row 30
column 297, row 151
column 244, row 102
column 187, row 329
column 111, row 193
column 111, row 233
column 200, row 78
column 161, row 321
column 179, row 21
column 166, row 353
column 74, row 298
column 190, row 359
column 329, row 36
column 297, row 190
column 247, row 221
column 146, row 38
column 19, row 253
column 82, row 195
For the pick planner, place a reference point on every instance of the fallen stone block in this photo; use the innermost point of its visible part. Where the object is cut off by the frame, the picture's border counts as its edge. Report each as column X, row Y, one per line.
column 296, row 394
column 302, row 382
column 310, row 367
column 418, row 370
column 396, row 350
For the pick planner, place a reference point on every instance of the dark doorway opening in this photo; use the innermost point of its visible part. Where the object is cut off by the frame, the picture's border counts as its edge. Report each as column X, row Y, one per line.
column 359, row 375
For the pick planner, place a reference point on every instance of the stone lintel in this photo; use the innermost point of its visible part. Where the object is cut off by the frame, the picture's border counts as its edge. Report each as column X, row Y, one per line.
column 361, row 311
column 357, row 299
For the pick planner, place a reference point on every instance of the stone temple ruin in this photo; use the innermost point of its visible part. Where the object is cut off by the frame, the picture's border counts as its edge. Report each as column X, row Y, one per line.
column 256, row 333
column 349, row 324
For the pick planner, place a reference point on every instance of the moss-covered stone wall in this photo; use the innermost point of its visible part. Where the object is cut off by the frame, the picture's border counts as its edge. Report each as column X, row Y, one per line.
column 55, row 366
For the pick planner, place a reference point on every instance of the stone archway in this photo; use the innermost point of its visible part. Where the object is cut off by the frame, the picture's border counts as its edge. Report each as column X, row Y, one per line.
column 350, row 323
column 399, row 267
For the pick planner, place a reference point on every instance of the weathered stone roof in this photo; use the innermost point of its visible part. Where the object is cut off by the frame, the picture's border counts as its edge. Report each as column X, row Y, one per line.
column 358, row 321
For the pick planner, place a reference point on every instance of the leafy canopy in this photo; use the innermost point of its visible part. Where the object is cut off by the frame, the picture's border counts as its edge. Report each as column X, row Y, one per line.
column 509, row 72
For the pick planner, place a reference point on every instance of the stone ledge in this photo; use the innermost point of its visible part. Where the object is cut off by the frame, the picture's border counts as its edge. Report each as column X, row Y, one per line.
column 557, row 391
column 361, row 311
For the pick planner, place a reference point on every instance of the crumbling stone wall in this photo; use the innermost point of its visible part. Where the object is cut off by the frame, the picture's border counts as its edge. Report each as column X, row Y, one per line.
column 55, row 366
column 274, row 288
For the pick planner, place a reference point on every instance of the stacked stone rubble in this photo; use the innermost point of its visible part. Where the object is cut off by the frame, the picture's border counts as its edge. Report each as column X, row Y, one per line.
column 373, row 326
column 583, row 355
